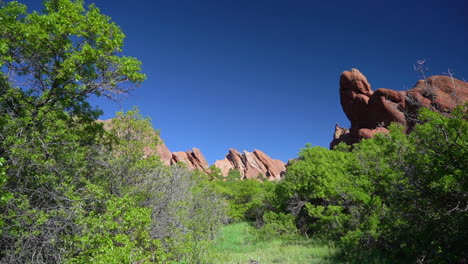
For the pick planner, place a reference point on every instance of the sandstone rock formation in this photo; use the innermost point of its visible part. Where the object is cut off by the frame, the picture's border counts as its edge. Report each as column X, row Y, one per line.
column 194, row 159
column 371, row 112
column 164, row 153
column 341, row 135
column 251, row 164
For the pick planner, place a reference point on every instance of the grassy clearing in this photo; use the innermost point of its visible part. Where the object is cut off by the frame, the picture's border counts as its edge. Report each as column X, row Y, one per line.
column 237, row 244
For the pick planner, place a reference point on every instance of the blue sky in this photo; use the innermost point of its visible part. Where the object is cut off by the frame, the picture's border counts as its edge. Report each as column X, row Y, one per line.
column 264, row 74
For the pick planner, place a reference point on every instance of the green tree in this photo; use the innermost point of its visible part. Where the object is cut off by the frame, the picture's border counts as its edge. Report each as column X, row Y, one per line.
column 233, row 175
column 436, row 168
column 4, row 195
column 405, row 194
column 113, row 229
column 246, row 198
column 51, row 62
column 64, row 54
column 131, row 154
column 215, row 174
column 185, row 212
column 325, row 192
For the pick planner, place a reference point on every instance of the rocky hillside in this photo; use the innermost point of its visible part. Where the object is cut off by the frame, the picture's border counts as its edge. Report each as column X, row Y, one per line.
column 371, row 111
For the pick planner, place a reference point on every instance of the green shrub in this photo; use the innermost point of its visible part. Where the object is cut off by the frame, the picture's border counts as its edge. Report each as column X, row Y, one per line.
column 115, row 230
column 185, row 210
column 277, row 226
column 246, row 198
column 405, row 194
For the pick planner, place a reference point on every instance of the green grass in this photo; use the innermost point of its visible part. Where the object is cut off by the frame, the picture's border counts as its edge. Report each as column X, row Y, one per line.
column 237, row 244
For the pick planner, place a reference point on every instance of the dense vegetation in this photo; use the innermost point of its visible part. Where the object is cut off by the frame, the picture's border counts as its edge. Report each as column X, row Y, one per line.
column 403, row 196
column 75, row 190
column 71, row 191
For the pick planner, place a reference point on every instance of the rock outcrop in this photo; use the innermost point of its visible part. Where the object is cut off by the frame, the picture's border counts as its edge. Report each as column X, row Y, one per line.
column 194, row 159
column 251, row 165
column 371, row 112
column 164, row 153
column 341, row 135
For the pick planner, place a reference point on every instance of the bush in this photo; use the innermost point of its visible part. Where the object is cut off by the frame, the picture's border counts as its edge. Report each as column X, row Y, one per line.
column 185, row 211
column 246, row 198
column 277, row 226
column 403, row 194
column 114, row 230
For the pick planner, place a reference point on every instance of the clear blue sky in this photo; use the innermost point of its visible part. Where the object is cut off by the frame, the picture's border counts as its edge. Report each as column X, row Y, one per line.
column 264, row 74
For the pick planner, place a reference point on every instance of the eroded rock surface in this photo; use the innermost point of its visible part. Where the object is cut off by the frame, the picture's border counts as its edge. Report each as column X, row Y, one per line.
column 371, row 112
column 251, row 165
column 194, row 159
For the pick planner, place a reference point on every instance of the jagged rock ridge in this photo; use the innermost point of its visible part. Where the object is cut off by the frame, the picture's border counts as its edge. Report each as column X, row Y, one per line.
column 371, row 112
column 251, row 165
column 194, row 159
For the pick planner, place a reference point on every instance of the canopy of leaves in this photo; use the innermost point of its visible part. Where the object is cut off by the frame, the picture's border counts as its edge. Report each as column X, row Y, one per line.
column 406, row 194
column 69, row 190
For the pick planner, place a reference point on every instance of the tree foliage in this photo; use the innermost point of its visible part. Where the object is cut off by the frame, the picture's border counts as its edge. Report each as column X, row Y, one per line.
column 64, row 54
column 404, row 194
column 51, row 62
column 71, row 191
column 247, row 199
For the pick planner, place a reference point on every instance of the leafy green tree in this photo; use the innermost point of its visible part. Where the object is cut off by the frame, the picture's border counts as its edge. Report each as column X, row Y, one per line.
column 130, row 156
column 215, row 173
column 64, row 54
column 114, row 229
column 4, row 195
column 185, row 211
column 436, row 168
column 51, row 62
column 246, row 198
column 405, row 194
column 233, row 175
column 277, row 225
column 326, row 193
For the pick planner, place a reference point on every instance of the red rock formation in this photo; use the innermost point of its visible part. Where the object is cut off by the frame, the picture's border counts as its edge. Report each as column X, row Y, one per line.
column 193, row 159
column 339, row 136
column 164, row 153
column 251, row 165
column 371, row 112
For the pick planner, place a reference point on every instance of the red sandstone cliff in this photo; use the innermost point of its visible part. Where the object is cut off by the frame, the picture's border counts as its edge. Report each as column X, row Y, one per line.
column 194, row 159
column 251, row 164
column 371, row 112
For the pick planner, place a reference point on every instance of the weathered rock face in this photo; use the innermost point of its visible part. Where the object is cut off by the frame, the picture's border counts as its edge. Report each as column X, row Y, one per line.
column 372, row 112
column 194, row 159
column 164, row 153
column 340, row 135
column 251, row 164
